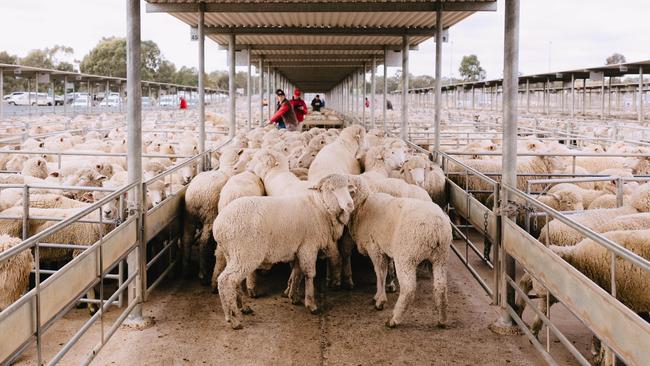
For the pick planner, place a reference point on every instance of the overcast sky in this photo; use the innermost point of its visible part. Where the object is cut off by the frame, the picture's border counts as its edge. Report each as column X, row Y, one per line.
column 580, row 33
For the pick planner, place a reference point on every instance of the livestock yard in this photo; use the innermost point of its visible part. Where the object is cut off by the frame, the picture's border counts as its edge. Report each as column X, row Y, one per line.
column 502, row 221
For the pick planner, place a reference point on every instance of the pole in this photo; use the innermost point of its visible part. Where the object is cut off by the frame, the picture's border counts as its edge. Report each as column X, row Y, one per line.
column 53, row 96
column 260, row 85
column 250, row 94
column 640, row 107
column 584, row 97
column 363, row 102
column 231, row 85
column 2, row 95
column 609, row 96
column 201, row 32
column 602, row 98
column 373, row 91
column 573, row 96
column 527, row 96
column 509, row 175
column 65, row 95
column 437, row 114
column 136, row 260
column 268, row 89
column 384, row 99
column 405, row 85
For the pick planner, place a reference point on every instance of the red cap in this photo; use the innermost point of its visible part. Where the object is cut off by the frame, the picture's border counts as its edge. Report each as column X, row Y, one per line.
column 296, row 93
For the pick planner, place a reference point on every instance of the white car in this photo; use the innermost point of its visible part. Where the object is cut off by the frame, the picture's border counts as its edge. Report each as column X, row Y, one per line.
column 31, row 98
column 113, row 100
column 81, row 102
column 169, row 101
column 9, row 98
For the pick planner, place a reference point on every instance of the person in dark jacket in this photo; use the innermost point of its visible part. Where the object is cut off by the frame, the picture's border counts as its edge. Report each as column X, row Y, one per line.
column 284, row 116
column 317, row 104
column 389, row 105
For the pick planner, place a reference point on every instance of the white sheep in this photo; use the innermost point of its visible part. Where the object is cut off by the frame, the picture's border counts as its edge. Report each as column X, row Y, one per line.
column 408, row 231
column 339, row 157
column 587, row 195
column 423, row 173
column 272, row 167
column 35, row 167
column 249, row 236
column 14, row 272
column 246, row 184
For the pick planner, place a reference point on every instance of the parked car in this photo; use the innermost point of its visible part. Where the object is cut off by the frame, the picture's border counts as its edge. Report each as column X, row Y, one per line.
column 147, row 102
column 58, row 100
column 10, row 97
column 113, row 100
column 81, row 102
column 31, row 98
column 169, row 101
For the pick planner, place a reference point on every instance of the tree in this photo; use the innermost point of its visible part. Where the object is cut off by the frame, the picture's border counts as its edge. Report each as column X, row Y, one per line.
column 166, row 72
column 470, row 69
column 615, row 58
column 108, row 58
column 6, row 58
column 48, row 58
column 186, row 76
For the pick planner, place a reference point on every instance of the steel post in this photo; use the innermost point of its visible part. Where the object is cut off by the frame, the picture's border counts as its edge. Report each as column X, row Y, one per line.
column 405, row 86
column 269, row 91
column 609, row 96
column 573, row 96
column 2, row 95
column 201, row 31
column 640, row 106
column 53, row 97
column 602, row 98
column 527, row 96
column 136, row 260
column 249, row 84
column 65, row 95
column 384, row 99
column 260, row 86
column 509, row 175
column 437, row 114
column 363, row 101
column 373, row 91
column 584, row 97
column 231, row 85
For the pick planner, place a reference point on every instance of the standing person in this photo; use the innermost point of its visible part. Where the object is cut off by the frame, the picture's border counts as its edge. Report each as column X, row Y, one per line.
column 367, row 103
column 183, row 103
column 317, row 104
column 389, row 105
column 285, row 117
column 299, row 106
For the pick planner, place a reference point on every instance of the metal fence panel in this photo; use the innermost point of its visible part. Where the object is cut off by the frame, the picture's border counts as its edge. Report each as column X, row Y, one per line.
column 611, row 321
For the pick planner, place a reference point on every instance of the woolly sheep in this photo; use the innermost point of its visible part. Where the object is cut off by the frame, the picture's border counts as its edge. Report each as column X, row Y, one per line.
column 35, row 167
column 339, row 157
column 587, row 195
column 408, row 231
column 14, row 273
column 272, row 167
column 423, row 173
column 245, row 184
column 607, row 201
column 248, row 237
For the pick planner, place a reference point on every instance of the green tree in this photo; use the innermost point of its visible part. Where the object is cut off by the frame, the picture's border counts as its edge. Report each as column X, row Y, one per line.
column 470, row 69
column 166, row 72
column 615, row 58
column 108, row 58
column 47, row 58
column 186, row 76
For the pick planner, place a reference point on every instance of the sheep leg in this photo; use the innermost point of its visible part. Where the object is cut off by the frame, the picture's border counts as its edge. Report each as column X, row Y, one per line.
column 334, row 265
column 391, row 285
column 188, row 236
column 204, row 253
column 407, row 279
column 526, row 285
column 346, row 260
column 439, row 274
column 228, row 282
column 251, row 285
column 380, row 264
column 307, row 263
column 219, row 265
column 90, row 295
column 536, row 326
column 293, row 287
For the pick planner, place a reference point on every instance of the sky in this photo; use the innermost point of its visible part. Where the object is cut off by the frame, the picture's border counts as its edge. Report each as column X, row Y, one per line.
column 574, row 33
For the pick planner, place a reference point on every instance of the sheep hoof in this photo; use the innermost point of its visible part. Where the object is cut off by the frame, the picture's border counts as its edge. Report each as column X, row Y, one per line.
column 252, row 293
column 379, row 306
column 236, row 325
column 391, row 324
column 391, row 288
column 246, row 310
column 315, row 310
column 441, row 325
column 285, row 293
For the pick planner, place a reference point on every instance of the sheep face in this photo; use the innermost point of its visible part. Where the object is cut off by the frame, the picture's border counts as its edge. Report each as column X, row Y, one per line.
column 336, row 191
column 395, row 157
column 187, row 173
column 156, row 192
column 306, row 159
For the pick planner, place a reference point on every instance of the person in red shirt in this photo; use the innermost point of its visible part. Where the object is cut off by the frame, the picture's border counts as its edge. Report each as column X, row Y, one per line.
column 284, row 117
column 367, row 103
column 299, row 106
column 183, row 103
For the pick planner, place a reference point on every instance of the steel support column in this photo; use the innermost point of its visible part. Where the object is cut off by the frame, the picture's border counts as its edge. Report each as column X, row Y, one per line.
column 602, row 98
column 231, row 86
column 249, row 125
column 584, row 97
column 405, row 85
column 373, row 91
column 609, row 96
column 2, row 95
column 261, row 91
column 509, row 174
column 384, row 99
column 573, row 96
column 201, row 85
column 437, row 113
column 640, row 106
column 269, row 90
column 365, row 95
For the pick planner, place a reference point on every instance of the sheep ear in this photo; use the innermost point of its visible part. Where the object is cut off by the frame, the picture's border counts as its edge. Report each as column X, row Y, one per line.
column 101, row 177
column 167, row 184
column 556, row 196
column 42, row 144
column 54, row 174
column 38, row 162
column 88, row 197
column 240, row 151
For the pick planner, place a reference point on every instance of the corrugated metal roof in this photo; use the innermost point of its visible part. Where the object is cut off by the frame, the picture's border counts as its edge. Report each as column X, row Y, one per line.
column 319, row 22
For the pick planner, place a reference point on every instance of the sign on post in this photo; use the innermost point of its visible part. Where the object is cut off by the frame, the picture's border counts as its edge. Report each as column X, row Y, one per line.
column 194, row 34
column 43, row 78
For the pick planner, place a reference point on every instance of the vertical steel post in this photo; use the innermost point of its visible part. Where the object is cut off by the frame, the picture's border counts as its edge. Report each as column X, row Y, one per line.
column 405, row 86
column 269, row 90
column 527, row 96
column 384, row 100
column 201, row 55
column 65, row 95
column 2, row 95
column 136, row 259
column 509, row 174
column 584, row 97
column 261, row 90
column 609, row 96
column 231, row 85
column 363, row 101
column 640, row 106
column 437, row 114
column 373, row 91
column 573, row 96
column 53, row 96
column 250, row 93
column 602, row 98
column 355, row 95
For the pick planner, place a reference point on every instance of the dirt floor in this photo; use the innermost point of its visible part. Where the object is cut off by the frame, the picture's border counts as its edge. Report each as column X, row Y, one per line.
column 190, row 329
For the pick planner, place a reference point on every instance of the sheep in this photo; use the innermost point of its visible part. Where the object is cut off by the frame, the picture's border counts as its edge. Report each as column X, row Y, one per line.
column 14, row 272
column 600, row 163
column 408, row 231
column 580, row 171
column 272, row 167
column 246, row 184
column 86, row 177
column 340, row 156
column 587, row 195
column 607, row 201
column 558, row 233
column 423, row 173
column 35, row 167
column 638, row 221
column 248, row 237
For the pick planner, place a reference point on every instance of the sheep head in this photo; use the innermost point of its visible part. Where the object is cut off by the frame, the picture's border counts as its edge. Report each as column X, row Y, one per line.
column 567, row 200
column 336, row 192
column 641, row 198
column 264, row 160
column 415, row 170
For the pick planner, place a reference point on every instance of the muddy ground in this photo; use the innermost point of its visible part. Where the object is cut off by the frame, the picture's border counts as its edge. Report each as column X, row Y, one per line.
column 190, row 329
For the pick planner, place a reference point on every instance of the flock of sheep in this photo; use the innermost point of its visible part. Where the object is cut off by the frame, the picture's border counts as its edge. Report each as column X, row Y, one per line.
column 281, row 196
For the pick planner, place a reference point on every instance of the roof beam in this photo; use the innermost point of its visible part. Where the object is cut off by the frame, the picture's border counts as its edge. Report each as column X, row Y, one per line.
column 323, row 31
column 327, row 57
column 303, row 64
column 317, row 47
column 322, row 7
